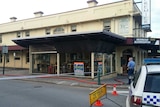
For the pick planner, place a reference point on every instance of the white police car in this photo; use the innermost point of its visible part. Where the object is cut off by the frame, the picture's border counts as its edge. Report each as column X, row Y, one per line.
column 144, row 91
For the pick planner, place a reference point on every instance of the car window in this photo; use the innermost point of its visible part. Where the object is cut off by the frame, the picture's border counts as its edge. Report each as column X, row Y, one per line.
column 152, row 83
column 136, row 76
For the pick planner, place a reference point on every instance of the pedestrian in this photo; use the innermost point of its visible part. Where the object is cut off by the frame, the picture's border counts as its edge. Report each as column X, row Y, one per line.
column 130, row 68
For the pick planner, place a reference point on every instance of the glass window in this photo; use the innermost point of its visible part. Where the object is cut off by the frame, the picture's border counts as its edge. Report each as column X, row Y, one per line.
column 123, row 25
column 18, row 34
column 48, row 32
column 1, row 58
column 7, row 57
column 136, row 77
column 27, row 33
column 73, row 28
column 152, row 83
column 27, row 57
column 107, row 25
column 58, row 30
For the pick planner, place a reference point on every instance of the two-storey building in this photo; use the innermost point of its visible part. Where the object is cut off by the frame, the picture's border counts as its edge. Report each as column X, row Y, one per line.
column 80, row 42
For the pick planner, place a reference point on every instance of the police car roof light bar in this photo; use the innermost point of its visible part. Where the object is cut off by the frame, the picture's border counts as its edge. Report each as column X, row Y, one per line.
column 147, row 61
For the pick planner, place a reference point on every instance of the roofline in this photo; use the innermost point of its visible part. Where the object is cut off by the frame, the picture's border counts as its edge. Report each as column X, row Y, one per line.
column 67, row 11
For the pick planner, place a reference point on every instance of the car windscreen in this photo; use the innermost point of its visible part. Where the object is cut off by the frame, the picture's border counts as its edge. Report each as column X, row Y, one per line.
column 152, row 83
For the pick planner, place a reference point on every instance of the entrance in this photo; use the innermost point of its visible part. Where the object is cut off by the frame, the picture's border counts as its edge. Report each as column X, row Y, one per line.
column 124, row 60
column 44, row 63
column 67, row 61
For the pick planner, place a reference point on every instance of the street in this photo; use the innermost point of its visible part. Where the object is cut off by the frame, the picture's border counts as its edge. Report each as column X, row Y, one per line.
column 18, row 93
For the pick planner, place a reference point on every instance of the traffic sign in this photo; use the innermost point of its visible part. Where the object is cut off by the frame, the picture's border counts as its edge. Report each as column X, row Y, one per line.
column 97, row 94
column 5, row 49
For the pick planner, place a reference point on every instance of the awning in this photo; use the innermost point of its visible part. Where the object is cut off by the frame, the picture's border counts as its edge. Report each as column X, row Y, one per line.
column 97, row 41
column 14, row 48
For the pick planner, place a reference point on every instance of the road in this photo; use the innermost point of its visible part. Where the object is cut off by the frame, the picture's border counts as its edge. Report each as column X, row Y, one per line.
column 18, row 93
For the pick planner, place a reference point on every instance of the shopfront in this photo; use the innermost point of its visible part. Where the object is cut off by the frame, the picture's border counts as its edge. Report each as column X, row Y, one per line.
column 79, row 54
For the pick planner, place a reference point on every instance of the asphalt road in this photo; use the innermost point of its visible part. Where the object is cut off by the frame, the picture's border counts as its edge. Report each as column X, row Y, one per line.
column 17, row 93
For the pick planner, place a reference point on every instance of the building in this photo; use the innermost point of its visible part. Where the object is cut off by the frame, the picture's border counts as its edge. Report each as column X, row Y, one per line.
column 80, row 42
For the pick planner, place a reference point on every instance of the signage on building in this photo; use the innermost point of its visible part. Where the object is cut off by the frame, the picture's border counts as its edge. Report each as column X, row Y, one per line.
column 79, row 68
column 142, row 41
column 146, row 14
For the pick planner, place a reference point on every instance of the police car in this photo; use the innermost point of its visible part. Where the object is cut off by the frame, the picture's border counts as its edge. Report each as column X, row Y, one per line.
column 144, row 91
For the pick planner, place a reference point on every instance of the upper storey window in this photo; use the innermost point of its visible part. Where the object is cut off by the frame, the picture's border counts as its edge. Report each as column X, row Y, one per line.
column 123, row 25
column 107, row 25
column 27, row 33
column 18, row 34
column 48, row 31
column 58, row 30
column 73, row 28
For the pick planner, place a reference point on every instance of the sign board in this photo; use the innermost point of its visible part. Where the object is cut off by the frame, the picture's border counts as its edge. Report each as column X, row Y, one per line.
column 142, row 41
column 146, row 14
column 97, row 94
column 79, row 68
column 4, row 49
column 150, row 41
column 100, row 67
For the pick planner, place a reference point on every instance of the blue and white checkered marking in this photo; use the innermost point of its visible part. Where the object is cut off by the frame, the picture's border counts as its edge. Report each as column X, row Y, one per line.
column 151, row 99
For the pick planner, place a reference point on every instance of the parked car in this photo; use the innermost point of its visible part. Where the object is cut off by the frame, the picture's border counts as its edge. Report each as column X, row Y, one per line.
column 144, row 90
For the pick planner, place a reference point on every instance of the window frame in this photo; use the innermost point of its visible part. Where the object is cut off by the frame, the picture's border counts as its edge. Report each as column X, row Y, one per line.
column 19, row 34
column 107, row 25
column 73, row 28
column 27, row 33
column 47, row 31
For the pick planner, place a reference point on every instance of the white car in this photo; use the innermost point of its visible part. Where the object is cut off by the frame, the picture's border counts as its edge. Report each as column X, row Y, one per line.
column 144, row 91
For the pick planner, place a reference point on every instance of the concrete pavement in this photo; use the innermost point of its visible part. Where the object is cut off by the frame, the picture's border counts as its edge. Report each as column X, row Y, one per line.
column 120, row 80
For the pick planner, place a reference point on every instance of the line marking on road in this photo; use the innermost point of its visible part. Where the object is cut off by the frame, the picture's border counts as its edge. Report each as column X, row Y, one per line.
column 61, row 82
column 27, row 77
column 75, row 83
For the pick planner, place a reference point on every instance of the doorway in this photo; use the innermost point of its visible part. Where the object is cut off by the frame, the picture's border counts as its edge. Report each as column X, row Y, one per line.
column 124, row 60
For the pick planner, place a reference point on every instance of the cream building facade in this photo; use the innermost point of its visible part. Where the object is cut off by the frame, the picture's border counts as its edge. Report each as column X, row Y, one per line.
column 27, row 47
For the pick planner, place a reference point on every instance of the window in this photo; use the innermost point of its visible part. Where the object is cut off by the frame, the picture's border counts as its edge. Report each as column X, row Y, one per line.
column 152, row 83
column 107, row 25
column 73, row 28
column 18, row 34
column 17, row 55
column 7, row 57
column 1, row 58
column 48, row 31
column 27, row 34
column 123, row 27
column 58, row 30
column 0, row 38
column 27, row 57
column 136, row 77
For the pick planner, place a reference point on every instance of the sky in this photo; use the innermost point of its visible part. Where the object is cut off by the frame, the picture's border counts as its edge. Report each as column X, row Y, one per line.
column 23, row 9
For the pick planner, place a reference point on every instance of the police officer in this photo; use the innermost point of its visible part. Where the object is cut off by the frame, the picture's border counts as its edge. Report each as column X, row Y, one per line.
column 130, row 67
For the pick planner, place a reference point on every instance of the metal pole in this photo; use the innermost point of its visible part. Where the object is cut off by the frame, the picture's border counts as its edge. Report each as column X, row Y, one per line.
column 4, row 63
column 99, row 80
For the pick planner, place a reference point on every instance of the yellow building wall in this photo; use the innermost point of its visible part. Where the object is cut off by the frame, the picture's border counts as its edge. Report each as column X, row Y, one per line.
column 7, row 39
column 117, row 9
column 87, row 19
column 16, row 63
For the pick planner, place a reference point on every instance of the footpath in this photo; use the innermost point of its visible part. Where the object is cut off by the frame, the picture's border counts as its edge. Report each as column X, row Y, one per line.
column 120, row 80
